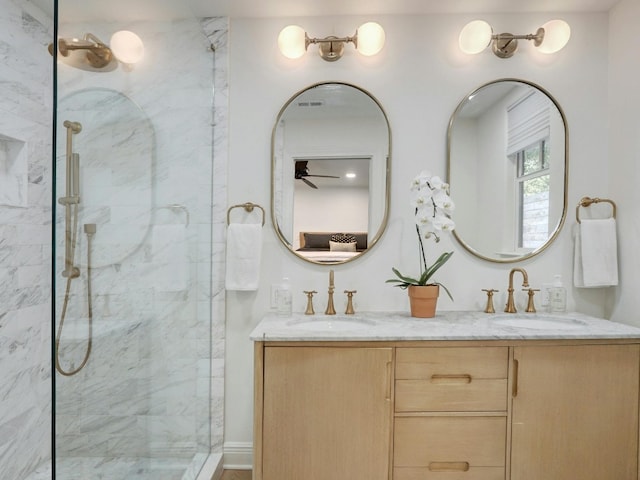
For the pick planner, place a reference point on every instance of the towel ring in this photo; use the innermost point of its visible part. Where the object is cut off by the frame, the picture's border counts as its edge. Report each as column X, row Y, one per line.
column 248, row 206
column 588, row 201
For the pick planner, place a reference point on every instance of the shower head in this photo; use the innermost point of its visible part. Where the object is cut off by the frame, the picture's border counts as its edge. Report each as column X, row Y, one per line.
column 88, row 53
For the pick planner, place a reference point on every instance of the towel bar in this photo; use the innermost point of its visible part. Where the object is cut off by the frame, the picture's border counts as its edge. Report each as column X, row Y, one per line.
column 176, row 207
column 248, row 206
column 588, row 201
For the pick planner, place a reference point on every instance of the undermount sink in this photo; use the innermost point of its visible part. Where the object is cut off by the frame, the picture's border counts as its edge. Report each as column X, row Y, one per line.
column 337, row 324
column 538, row 322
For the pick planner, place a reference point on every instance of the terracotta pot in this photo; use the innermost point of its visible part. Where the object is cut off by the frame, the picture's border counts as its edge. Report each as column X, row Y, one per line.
column 423, row 300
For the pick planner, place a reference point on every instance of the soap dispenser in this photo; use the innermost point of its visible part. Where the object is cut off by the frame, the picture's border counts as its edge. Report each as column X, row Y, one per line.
column 283, row 298
column 558, row 296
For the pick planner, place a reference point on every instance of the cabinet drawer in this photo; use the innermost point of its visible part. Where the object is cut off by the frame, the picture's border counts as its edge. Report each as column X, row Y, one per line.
column 434, row 443
column 451, row 379
column 423, row 473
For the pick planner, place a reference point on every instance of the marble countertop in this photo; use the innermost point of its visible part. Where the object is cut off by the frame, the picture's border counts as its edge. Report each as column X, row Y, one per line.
column 395, row 326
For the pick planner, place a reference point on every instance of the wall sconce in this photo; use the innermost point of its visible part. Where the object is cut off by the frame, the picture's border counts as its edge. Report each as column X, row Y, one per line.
column 293, row 42
column 478, row 35
column 90, row 53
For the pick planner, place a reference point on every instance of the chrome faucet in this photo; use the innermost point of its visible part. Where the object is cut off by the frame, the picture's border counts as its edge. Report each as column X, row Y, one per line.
column 511, row 306
column 330, row 308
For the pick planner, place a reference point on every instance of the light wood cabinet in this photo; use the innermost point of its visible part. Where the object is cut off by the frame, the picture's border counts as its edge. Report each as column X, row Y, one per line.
column 327, row 413
column 450, row 413
column 505, row 410
column 575, row 413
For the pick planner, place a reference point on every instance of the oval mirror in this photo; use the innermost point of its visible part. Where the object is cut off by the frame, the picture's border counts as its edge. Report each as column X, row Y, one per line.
column 330, row 163
column 508, row 160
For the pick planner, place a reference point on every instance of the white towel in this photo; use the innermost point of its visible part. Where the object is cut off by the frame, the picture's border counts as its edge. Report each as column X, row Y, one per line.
column 596, row 254
column 244, row 247
column 170, row 257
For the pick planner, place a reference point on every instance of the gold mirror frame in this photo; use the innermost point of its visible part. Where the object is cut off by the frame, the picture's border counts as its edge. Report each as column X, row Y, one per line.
column 387, row 183
column 563, row 216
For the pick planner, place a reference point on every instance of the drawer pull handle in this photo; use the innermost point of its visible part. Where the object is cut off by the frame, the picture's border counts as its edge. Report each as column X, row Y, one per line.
column 388, row 385
column 464, row 378
column 516, row 367
column 449, row 467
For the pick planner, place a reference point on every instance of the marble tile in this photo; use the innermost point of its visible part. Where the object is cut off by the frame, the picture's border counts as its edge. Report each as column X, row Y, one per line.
column 112, row 468
column 25, row 238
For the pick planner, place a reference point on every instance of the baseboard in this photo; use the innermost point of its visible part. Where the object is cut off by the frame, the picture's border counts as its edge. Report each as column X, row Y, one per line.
column 238, row 455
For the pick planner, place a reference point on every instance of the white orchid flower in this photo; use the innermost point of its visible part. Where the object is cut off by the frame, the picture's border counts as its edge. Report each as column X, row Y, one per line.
column 443, row 223
column 421, row 180
column 436, row 183
column 443, row 201
column 422, row 199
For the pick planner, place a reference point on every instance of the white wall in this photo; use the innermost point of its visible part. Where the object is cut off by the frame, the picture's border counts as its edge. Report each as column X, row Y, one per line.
column 419, row 78
column 624, row 155
column 329, row 210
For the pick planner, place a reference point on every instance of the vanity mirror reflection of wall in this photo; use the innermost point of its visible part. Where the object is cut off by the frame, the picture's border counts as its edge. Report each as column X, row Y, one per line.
column 508, row 168
column 330, row 173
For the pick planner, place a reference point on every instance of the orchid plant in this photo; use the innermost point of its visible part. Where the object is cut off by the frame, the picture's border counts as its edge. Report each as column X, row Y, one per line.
column 433, row 207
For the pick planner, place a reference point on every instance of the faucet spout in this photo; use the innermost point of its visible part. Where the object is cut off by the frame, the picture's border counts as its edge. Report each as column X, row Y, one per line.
column 511, row 306
column 331, row 310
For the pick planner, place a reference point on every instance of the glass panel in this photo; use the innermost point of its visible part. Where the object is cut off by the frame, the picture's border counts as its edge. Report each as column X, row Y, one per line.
column 532, row 159
column 535, row 212
column 133, row 276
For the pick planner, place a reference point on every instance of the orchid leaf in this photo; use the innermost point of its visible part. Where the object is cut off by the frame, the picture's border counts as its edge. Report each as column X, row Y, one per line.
column 438, row 263
column 404, row 281
column 446, row 290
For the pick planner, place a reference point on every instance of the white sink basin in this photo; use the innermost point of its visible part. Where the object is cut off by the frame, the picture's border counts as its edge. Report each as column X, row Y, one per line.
column 539, row 322
column 337, row 324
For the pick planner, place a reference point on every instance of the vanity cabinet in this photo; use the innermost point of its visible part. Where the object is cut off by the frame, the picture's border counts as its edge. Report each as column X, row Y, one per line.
column 476, row 410
column 575, row 412
column 327, row 413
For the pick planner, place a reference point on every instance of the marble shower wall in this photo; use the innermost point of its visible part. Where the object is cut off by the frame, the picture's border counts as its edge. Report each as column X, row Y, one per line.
column 154, row 384
column 25, row 238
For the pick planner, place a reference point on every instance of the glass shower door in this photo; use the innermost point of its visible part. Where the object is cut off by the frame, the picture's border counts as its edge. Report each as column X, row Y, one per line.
column 132, row 281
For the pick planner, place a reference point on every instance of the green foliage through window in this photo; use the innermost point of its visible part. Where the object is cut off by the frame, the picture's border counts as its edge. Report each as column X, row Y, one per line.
column 533, row 187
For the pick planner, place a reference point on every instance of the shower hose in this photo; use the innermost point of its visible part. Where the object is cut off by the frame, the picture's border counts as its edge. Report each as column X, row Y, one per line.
column 65, row 303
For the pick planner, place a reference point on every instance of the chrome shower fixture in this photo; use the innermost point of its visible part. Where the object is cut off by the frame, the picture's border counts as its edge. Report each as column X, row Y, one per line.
column 94, row 52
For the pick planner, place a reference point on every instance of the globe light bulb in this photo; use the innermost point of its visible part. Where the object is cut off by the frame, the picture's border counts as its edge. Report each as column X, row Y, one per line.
column 127, row 47
column 291, row 41
column 475, row 37
column 556, row 36
column 371, row 38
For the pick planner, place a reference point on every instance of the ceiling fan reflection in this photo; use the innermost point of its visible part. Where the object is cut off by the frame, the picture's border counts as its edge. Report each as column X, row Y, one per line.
column 302, row 172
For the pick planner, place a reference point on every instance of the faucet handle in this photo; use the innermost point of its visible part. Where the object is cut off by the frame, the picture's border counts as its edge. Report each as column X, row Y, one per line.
column 530, row 306
column 489, row 308
column 350, row 310
column 309, row 310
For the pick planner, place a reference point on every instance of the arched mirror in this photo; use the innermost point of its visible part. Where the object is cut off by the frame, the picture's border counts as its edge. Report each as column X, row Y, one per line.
column 508, row 169
column 331, row 153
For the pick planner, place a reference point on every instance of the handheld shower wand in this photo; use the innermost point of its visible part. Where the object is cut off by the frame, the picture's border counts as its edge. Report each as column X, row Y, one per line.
column 70, row 200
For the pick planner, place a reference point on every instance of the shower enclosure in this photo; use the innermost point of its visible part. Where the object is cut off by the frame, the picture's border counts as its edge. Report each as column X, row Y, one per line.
column 139, row 330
